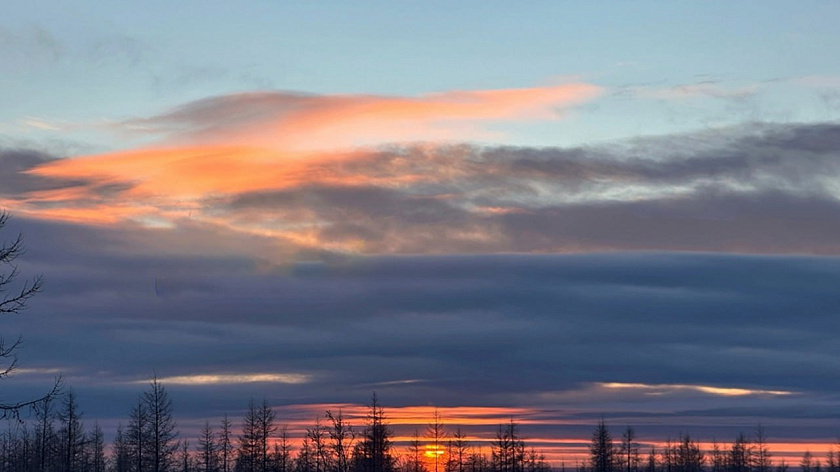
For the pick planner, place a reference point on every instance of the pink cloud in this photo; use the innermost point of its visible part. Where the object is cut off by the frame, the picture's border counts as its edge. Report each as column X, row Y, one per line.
column 287, row 121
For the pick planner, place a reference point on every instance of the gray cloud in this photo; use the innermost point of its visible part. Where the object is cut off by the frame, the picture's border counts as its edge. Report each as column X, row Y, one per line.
column 13, row 163
column 771, row 189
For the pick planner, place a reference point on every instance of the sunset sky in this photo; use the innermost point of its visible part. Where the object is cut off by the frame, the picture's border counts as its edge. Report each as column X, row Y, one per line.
column 555, row 211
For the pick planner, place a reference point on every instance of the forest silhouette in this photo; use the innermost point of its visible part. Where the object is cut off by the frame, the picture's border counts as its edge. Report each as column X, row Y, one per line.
column 54, row 438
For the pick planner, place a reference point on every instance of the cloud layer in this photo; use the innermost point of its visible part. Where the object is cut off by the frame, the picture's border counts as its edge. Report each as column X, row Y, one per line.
column 666, row 342
column 766, row 188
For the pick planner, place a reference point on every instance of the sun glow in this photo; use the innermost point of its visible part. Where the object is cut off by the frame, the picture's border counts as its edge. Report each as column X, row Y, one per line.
column 433, row 451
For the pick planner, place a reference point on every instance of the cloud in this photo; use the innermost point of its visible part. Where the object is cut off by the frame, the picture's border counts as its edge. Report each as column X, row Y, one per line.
column 295, row 121
column 14, row 180
column 711, row 89
column 226, row 379
column 664, row 389
column 729, row 190
column 40, row 124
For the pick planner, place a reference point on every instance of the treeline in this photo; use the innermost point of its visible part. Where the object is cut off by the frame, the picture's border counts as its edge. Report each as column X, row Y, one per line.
column 684, row 454
column 55, row 439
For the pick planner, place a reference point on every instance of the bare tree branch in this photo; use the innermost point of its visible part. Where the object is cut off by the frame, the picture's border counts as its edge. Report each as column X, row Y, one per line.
column 12, row 410
column 13, row 302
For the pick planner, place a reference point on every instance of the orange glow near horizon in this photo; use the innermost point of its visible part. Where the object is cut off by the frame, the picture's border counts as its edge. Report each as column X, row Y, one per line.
column 481, row 424
column 571, row 451
column 419, row 415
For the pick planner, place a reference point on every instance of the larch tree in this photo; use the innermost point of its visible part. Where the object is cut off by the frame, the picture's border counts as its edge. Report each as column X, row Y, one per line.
column 137, row 440
column 341, row 437
column 689, row 456
column 629, row 451
column 457, row 452
column 208, row 449
column 436, row 435
column 602, row 453
column 96, row 443
column 652, row 462
column 266, row 428
column 71, row 432
column 225, row 444
column 45, row 433
column 184, row 457
column 282, row 453
column 121, row 452
column 718, row 459
column 163, row 439
column 508, row 452
column 414, row 460
column 320, row 450
column 373, row 451
column 741, row 455
column 763, row 458
column 807, row 462
column 248, row 451
column 833, row 457
column 14, row 297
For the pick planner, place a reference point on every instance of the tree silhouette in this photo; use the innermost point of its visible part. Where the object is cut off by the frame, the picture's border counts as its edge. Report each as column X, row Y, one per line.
column 13, row 300
column 373, row 452
column 72, row 433
column 161, row 427
column 602, row 452
column 341, row 441
column 763, row 458
column 225, row 443
column 630, row 459
column 436, row 434
column 208, row 449
column 508, row 453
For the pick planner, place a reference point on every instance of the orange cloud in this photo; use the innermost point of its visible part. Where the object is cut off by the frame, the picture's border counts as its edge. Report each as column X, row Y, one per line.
column 226, row 146
column 286, row 121
column 418, row 415
column 196, row 172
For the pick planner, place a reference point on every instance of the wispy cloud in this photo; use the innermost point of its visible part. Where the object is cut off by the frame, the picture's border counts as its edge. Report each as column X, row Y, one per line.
column 293, row 121
column 39, row 370
column 40, row 123
column 665, row 389
column 704, row 89
column 227, row 379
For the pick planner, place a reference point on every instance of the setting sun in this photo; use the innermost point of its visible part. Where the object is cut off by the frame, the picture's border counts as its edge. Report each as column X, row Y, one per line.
column 433, row 451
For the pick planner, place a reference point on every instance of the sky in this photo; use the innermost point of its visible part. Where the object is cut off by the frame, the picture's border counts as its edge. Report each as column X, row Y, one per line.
column 556, row 211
